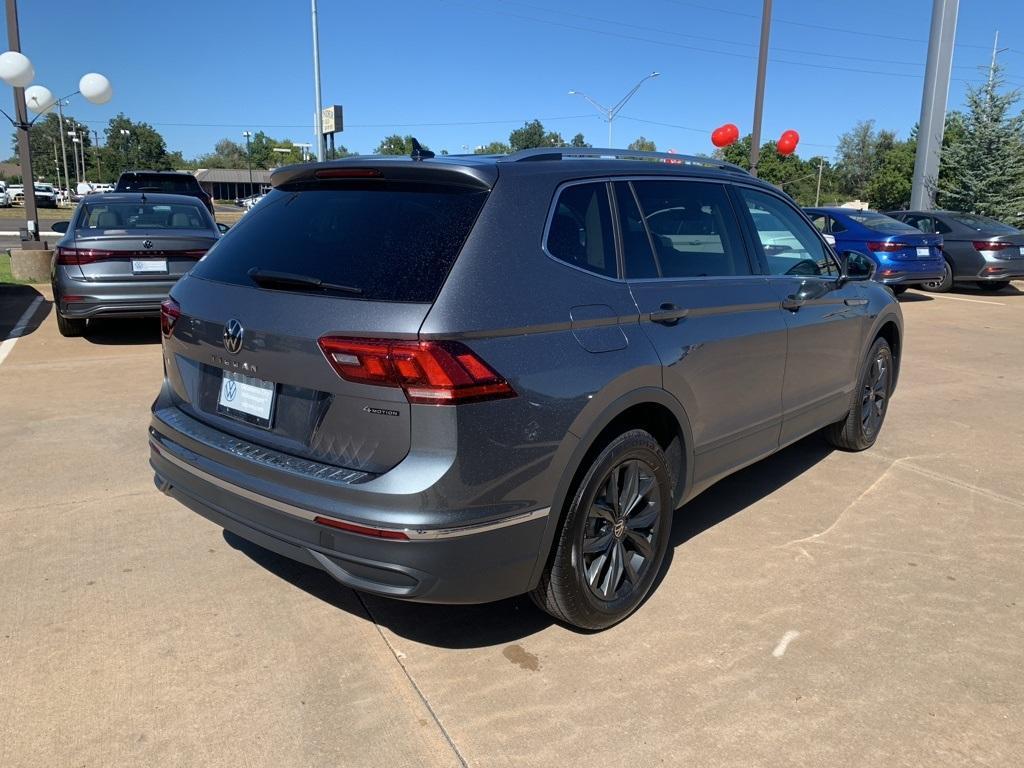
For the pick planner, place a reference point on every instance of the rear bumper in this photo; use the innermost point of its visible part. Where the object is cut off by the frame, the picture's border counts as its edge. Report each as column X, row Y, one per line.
column 477, row 562
column 122, row 299
column 910, row 272
column 1001, row 270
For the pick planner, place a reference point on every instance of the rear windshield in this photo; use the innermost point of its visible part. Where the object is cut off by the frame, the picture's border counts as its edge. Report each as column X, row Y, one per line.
column 127, row 216
column 983, row 224
column 393, row 242
column 173, row 185
column 880, row 222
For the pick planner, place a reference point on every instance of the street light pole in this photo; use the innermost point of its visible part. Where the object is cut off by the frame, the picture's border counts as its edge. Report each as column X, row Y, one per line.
column 63, row 147
column 318, row 126
column 248, row 158
column 24, row 149
column 762, row 68
column 74, row 153
column 610, row 113
column 96, row 153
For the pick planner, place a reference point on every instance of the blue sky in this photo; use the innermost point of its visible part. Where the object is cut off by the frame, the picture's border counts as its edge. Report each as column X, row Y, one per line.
column 465, row 72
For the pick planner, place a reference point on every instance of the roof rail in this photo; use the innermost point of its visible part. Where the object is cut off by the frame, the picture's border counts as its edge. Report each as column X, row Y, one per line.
column 557, row 153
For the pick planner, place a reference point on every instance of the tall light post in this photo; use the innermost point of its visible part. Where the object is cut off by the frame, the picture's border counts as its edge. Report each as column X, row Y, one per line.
column 74, row 155
column 318, row 126
column 17, row 71
column 248, row 157
column 125, row 134
column 762, row 69
column 610, row 113
column 304, row 150
column 96, row 152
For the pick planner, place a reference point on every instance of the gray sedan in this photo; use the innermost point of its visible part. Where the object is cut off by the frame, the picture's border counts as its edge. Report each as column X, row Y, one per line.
column 122, row 252
column 977, row 249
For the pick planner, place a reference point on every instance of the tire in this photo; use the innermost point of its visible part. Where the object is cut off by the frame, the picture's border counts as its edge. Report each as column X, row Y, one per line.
column 940, row 286
column 991, row 287
column 860, row 428
column 618, row 550
column 68, row 327
column 898, row 290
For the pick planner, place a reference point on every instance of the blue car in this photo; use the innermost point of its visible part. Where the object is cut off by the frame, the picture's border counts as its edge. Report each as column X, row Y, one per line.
column 904, row 255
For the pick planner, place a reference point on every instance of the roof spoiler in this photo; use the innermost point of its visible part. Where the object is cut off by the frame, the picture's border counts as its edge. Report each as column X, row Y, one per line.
column 559, row 153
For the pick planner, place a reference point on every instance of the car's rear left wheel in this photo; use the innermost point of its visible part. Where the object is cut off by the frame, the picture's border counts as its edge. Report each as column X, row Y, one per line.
column 942, row 285
column 69, row 327
column 614, row 536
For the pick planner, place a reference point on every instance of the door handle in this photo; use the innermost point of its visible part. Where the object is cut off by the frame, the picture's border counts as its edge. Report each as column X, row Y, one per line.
column 855, row 302
column 793, row 303
column 668, row 314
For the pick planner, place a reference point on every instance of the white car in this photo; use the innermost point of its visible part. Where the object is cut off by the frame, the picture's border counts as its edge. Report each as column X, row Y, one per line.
column 5, row 198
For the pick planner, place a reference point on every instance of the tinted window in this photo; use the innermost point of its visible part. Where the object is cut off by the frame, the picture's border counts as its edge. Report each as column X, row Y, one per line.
column 983, row 224
column 942, row 227
column 820, row 221
column 790, row 244
column 155, row 182
column 129, row 216
column 581, row 229
column 879, row 222
column 837, row 226
column 393, row 242
column 922, row 223
column 636, row 246
column 693, row 228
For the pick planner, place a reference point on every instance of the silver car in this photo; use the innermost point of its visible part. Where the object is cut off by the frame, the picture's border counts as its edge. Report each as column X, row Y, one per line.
column 122, row 252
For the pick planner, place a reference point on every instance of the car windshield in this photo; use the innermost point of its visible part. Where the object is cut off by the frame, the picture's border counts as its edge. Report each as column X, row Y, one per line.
column 128, row 216
column 880, row 223
column 174, row 185
column 983, row 224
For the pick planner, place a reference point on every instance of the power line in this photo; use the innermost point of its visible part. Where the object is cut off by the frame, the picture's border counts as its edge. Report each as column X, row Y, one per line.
column 257, row 124
column 707, row 130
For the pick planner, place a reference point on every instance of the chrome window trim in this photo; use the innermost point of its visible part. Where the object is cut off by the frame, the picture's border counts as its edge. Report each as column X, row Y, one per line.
column 413, row 534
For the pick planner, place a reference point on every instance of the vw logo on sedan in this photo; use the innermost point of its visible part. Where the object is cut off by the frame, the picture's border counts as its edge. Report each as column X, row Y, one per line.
column 233, row 333
column 147, row 243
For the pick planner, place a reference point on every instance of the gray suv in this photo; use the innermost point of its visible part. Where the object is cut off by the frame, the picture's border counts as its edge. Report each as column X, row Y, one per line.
column 460, row 379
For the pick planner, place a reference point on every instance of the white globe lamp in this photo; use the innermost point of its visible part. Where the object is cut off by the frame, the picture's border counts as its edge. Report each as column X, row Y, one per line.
column 15, row 69
column 39, row 99
column 96, row 88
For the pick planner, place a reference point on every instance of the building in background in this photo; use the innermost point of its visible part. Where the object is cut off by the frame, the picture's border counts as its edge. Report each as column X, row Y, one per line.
column 231, row 183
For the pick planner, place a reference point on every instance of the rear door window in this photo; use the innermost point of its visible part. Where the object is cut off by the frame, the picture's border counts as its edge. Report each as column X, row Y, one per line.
column 393, row 242
column 580, row 232
column 693, row 229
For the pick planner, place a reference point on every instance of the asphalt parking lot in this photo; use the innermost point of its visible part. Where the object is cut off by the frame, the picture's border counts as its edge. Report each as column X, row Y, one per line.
column 819, row 608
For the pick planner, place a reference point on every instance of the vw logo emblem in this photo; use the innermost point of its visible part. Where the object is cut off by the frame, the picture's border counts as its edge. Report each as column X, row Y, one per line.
column 619, row 529
column 147, row 243
column 230, row 390
column 233, row 333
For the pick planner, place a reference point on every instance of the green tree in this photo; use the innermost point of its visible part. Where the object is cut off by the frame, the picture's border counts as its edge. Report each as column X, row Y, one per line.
column 795, row 176
column 889, row 186
column 44, row 139
column 861, row 152
column 982, row 170
column 533, row 135
column 395, row 145
column 141, row 147
column 494, row 148
column 579, row 141
column 226, row 154
column 643, row 144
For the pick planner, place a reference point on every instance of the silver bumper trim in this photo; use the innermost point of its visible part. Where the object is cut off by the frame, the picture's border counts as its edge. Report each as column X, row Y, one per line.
column 414, row 534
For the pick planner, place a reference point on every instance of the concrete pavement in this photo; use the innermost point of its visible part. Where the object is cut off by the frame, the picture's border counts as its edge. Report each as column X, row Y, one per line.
column 820, row 608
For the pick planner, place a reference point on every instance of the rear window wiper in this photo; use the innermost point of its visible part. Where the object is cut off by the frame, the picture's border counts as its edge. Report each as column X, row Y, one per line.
column 267, row 278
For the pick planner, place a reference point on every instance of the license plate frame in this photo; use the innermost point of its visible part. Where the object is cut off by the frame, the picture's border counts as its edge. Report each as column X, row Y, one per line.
column 149, row 266
column 247, row 398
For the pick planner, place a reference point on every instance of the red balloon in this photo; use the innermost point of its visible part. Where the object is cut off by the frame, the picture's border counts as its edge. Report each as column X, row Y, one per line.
column 725, row 135
column 787, row 142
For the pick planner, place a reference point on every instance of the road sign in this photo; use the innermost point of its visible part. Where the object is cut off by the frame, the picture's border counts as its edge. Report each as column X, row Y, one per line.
column 331, row 120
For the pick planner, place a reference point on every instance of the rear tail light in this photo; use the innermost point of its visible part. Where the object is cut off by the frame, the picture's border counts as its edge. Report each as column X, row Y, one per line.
column 886, row 246
column 170, row 311
column 379, row 533
column 81, row 256
column 986, row 245
column 435, row 372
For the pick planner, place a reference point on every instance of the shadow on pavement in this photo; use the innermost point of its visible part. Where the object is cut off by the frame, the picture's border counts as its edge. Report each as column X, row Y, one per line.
column 911, row 296
column 972, row 290
column 506, row 621
column 15, row 301
column 123, row 332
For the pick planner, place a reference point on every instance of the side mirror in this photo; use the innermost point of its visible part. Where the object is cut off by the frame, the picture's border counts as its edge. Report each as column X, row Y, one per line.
column 60, row 226
column 856, row 266
column 222, row 227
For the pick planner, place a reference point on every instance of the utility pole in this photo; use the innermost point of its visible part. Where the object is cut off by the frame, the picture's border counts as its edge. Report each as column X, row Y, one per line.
column 63, row 147
column 318, row 126
column 96, row 153
column 248, row 158
column 762, row 68
column 24, row 148
column 74, row 152
column 933, row 103
column 817, row 192
column 996, row 50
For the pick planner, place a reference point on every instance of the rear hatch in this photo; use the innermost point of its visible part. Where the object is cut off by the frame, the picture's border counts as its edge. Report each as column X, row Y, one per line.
column 358, row 258
column 116, row 241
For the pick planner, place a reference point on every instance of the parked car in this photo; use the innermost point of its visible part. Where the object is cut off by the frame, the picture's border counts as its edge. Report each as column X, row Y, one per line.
column 460, row 379
column 169, row 182
column 5, row 198
column 16, row 193
column 122, row 252
column 46, row 196
column 903, row 256
column 978, row 249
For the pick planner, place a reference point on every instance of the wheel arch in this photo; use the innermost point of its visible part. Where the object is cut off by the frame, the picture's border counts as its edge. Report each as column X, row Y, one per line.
column 649, row 408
